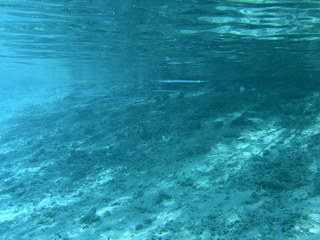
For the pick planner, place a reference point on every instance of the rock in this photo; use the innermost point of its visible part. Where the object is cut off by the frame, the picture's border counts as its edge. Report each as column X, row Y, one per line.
column 90, row 216
column 139, row 227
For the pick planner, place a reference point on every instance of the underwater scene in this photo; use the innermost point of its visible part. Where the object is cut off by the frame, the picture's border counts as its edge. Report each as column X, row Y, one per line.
column 160, row 120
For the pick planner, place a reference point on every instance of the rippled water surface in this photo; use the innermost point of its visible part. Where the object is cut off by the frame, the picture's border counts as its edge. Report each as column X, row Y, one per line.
column 160, row 32
column 163, row 39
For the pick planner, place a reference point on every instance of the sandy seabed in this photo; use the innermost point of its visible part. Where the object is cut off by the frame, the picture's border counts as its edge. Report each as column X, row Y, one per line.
column 222, row 164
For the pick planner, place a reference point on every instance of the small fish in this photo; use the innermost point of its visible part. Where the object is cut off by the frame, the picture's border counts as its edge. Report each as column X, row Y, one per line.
column 108, row 97
column 181, row 81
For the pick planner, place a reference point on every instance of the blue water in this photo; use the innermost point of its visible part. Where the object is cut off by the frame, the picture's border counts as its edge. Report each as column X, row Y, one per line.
column 152, row 120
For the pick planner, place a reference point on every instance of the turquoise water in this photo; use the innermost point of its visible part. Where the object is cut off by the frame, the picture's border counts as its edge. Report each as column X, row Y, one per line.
column 159, row 120
column 93, row 40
